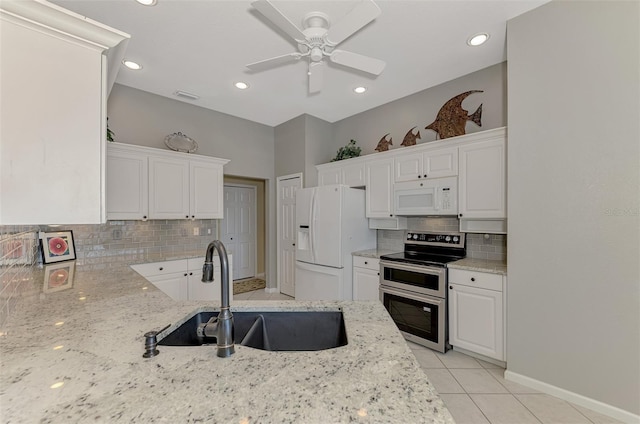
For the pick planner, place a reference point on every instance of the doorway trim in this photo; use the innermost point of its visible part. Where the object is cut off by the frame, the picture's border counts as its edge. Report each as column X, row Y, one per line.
column 255, row 225
column 279, row 180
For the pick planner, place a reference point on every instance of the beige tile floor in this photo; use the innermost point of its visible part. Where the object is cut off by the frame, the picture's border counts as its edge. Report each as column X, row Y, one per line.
column 476, row 392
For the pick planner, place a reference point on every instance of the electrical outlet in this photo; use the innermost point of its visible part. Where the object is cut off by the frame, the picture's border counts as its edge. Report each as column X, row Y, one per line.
column 196, row 231
column 208, row 230
column 117, row 234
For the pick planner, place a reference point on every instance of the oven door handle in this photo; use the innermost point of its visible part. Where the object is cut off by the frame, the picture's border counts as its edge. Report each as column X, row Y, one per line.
column 410, row 295
column 421, row 269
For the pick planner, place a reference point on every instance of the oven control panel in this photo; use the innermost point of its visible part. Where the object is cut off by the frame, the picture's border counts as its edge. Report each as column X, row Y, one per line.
column 448, row 239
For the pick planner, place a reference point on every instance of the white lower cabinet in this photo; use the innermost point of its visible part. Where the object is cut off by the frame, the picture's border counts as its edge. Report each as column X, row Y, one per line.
column 366, row 278
column 181, row 279
column 477, row 312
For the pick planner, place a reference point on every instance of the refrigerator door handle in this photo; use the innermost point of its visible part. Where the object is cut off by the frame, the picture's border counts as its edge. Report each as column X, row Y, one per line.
column 312, row 230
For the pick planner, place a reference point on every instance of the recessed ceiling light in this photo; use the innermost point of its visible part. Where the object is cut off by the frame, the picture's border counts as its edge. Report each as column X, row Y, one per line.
column 360, row 90
column 476, row 40
column 132, row 65
column 147, row 2
column 241, row 85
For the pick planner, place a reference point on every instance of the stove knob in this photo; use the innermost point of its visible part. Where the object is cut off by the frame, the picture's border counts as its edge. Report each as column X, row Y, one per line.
column 455, row 239
column 447, row 239
column 409, row 236
column 415, row 237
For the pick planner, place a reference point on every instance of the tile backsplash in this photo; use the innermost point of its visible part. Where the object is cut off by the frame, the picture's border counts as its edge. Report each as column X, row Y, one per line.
column 479, row 246
column 96, row 245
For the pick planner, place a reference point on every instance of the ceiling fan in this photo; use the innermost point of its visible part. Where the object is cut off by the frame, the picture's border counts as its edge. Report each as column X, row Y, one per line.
column 319, row 38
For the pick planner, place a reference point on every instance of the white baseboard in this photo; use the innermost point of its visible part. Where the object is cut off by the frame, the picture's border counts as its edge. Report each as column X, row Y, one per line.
column 261, row 275
column 595, row 405
column 271, row 289
column 479, row 356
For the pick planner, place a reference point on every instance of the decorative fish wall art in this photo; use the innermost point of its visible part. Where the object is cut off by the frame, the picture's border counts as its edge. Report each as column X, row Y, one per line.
column 383, row 144
column 452, row 118
column 410, row 138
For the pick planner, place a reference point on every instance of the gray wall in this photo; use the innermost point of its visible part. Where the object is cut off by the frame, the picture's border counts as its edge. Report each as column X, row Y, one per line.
column 319, row 147
column 421, row 109
column 574, row 199
column 290, row 147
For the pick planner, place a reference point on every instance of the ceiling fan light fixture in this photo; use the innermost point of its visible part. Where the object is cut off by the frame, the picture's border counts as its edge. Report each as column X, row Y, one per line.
column 134, row 66
column 147, row 2
column 241, row 85
column 359, row 90
column 477, row 39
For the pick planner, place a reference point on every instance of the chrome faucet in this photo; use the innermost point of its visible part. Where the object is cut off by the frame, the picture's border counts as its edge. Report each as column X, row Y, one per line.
column 222, row 325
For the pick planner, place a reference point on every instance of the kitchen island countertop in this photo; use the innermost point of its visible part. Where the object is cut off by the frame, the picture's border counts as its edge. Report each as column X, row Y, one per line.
column 90, row 338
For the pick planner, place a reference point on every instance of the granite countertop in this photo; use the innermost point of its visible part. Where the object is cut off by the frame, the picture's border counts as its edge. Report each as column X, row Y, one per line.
column 373, row 253
column 481, row 265
column 90, row 337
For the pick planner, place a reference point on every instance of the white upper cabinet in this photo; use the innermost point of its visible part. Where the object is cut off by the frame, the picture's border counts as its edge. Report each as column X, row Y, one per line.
column 146, row 183
column 206, row 190
column 53, row 75
column 379, row 185
column 434, row 163
column 482, row 182
column 168, row 188
column 127, row 184
column 349, row 172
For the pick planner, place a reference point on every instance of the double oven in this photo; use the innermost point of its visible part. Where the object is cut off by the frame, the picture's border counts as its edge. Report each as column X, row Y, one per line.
column 413, row 286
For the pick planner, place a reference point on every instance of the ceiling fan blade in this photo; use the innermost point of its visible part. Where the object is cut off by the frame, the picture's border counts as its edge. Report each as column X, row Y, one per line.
column 315, row 77
column 358, row 61
column 358, row 17
column 274, row 61
column 274, row 15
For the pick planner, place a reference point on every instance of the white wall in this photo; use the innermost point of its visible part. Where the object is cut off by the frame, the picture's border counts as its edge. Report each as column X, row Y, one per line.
column 574, row 200
column 421, row 109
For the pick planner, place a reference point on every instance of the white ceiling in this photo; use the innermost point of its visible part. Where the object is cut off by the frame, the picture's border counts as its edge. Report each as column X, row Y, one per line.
column 202, row 47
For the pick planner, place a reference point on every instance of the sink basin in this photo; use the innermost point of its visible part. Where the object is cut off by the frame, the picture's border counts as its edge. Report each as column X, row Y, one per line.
column 273, row 330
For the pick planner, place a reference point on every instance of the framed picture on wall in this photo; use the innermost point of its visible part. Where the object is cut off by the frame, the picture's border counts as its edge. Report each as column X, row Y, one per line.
column 57, row 247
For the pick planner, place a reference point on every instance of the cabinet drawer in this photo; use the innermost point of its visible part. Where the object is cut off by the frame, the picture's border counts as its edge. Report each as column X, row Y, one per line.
column 368, row 263
column 482, row 280
column 160, row 268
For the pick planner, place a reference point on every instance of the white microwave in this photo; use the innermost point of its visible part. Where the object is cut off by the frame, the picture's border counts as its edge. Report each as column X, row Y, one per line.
column 436, row 196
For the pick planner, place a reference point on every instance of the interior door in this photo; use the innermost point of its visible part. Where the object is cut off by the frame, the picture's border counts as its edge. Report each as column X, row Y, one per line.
column 287, row 188
column 238, row 229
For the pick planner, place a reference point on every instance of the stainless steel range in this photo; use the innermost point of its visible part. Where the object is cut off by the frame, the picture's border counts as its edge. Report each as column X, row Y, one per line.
column 413, row 286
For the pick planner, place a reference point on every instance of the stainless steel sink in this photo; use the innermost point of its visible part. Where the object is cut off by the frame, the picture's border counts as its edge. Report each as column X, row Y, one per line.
column 269, row 330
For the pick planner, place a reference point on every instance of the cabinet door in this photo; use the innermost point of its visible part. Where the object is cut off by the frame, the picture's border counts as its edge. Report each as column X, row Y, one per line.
column 329, row 177
column 408, row 167
column 53, row 118
column 482, row 182
column 127, row 185
column 440, row 163
column 353, row 175
column 476, row 320
column 174, row 285
column 379, row 186
column 366, row 284
column 168, row 188
column 206, row 190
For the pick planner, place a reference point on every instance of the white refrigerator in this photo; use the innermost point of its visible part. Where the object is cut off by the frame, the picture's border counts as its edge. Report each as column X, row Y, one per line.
column 330, row 225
